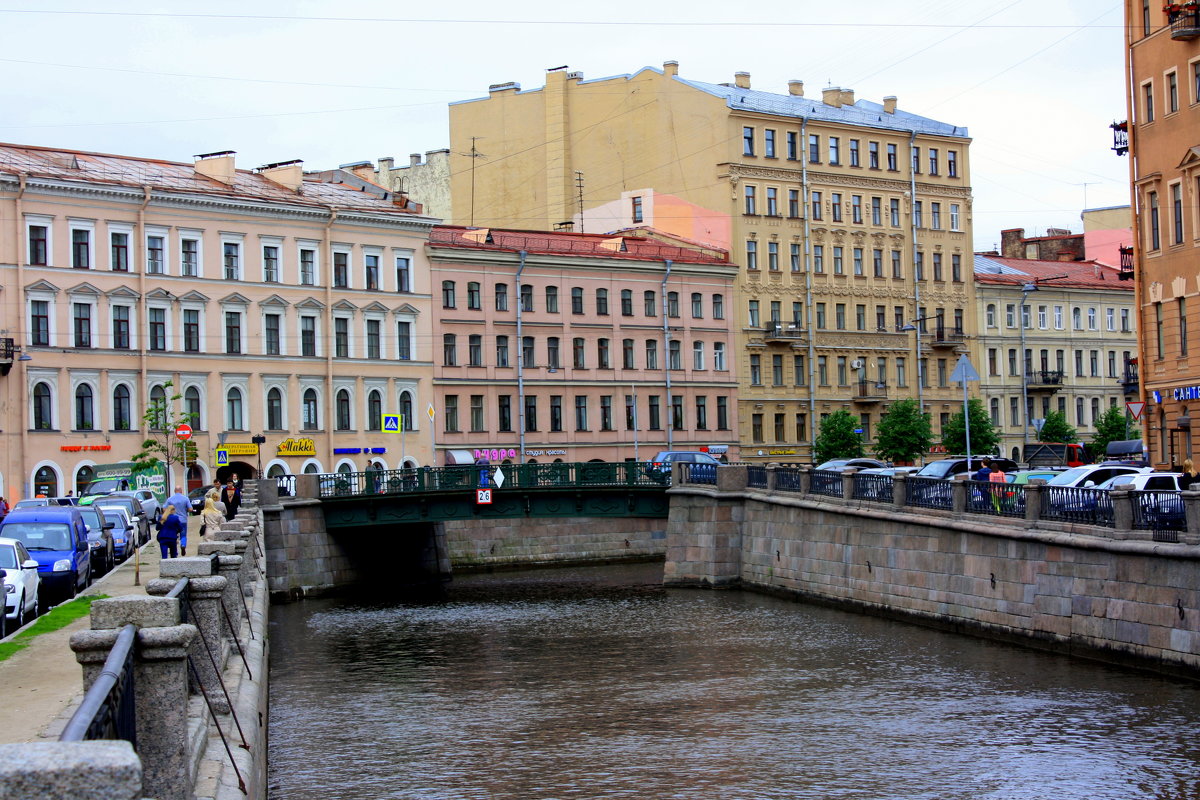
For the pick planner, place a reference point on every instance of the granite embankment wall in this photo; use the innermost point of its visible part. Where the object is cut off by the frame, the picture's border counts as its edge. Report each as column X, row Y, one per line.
column 1070, row 588
column 481, row 544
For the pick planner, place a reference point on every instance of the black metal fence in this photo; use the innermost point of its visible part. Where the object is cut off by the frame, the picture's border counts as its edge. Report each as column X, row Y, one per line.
column 826, row 482
column 1071, row 504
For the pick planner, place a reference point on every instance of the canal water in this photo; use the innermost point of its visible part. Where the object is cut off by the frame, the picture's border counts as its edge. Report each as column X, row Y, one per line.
column 598, row 683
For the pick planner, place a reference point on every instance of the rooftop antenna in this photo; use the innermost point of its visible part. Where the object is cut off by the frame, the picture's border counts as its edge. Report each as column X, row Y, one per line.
column 579, row 187
column 1085, row 185
column 474, row 154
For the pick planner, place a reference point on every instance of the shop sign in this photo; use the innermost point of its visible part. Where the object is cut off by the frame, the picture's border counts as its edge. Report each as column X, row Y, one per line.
column 536, row 453
column 297, row 447
column 354, row 451
column 86, row 448
column 715, row 448
column 497, row 453
column 240, row 448
column 1185, row 393
column 782, row 451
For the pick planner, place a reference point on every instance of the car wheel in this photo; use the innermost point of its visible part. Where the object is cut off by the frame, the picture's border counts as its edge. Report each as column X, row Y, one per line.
column 23, row 616
column 111, row 563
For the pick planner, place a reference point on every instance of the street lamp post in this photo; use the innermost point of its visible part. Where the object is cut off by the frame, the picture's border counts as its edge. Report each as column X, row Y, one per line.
column 913, row 326
column 1025, row 290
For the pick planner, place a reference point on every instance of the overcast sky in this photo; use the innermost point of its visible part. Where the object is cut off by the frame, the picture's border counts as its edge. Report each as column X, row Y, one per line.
column 1037, row 82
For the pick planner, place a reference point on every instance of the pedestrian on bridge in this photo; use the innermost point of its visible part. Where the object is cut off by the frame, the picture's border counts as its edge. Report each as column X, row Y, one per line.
column 168, row 533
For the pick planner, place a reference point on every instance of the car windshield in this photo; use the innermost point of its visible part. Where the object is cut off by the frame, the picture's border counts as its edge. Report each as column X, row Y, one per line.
column 117, row 519
column 40, row 535
column 8, row 557
column 938, row 469
column 1070, row 477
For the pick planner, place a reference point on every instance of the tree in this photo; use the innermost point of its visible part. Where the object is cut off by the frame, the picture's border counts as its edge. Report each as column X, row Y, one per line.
column 161, row 444
column 1111, row 426
column 1056, row 429
column 984, row 438
column 837, row 438
column 904, row 433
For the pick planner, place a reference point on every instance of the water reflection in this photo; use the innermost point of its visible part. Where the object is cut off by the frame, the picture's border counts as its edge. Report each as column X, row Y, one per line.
column 594, row 683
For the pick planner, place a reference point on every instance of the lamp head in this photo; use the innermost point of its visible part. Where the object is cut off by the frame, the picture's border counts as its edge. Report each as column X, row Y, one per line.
column 1029, row 287
column 907, row 328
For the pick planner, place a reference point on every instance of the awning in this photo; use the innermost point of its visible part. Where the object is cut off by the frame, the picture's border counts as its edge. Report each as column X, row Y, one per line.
column 456, row 457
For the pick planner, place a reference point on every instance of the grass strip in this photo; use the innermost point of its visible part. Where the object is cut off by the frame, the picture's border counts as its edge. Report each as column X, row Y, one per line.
column 55, row 619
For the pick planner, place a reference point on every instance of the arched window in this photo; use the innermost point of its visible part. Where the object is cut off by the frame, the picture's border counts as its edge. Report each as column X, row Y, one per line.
column 233, row 410
column 374, row 410
column 45, row 482
column 309, row 415
column 121, row 419
column 311, row 469
column 83, row 477
column 343, row 410
column 158, row 400
column 84, row 404
column 406, row 408
column 191, row 405
column 43, row 417
column 344, row 468
column 274, row 409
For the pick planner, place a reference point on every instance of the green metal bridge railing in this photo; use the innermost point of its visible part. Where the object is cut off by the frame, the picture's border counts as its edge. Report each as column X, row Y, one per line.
column 426, row 480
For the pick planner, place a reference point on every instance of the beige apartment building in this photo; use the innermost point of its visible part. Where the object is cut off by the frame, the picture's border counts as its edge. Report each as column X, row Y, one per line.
column 282, row 306
column 581, row 347
column 1162, row 60
column 1054, row 336
column 849, row 220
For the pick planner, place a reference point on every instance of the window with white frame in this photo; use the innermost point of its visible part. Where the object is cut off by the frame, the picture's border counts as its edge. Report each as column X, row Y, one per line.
column 719, row 356
column 307, row 257
column 38, row 236
column 372, row 257
column 156, row 328
column 235, row 418
column 698, row 355
column 192, row 334
column 122, row 331
column 120, row 237
column 233, row 332
column 272, row 322
column 231, row 256
column 82, row 232
column 404, row 341
column 83, row 323
column 341, row 269
column 156, row 251
column 271, row 249
column 404, row 278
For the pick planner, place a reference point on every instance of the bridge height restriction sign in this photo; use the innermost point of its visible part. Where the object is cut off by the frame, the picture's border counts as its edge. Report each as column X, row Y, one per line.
column 483, row 497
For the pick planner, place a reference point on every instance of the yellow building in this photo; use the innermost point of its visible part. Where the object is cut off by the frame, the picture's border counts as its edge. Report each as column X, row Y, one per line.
column 850, row 222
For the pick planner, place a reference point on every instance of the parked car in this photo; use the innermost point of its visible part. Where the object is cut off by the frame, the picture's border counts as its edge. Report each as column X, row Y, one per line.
column 133, row 510
column 196, row 498
column 100, row 540
column 956, row 465
column 853, row 463
column 42, row 502
column 704, row 471
column 145, row 498
column 124, row 530
column 56, row 536
column 1093, row 475
column 1144, row 482
column 1024, row 476
column 22, row 584
column 1157, row 495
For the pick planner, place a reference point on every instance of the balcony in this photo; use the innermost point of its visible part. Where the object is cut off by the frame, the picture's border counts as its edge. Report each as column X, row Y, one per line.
column 870, row 392
column 1129, row 379
column 1126, row 271
column 786, row 332
column 1120, row 137
column 1046, row 380
column 947, row 337
column 1185, row 21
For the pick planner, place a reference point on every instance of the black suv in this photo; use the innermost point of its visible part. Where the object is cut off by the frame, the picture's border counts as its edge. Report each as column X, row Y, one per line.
column 955, row 465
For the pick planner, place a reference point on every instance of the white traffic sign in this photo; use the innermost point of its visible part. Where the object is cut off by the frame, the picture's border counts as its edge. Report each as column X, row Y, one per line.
column 483, row 497
column 1135, row 409
column 498, row 477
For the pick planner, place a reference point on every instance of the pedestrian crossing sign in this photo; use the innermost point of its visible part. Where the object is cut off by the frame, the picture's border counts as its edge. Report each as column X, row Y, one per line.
column 222, row 457
column 392, row 423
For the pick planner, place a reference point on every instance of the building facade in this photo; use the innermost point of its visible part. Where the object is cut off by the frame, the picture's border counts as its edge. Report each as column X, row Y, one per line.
column 849, row 222
column 424, row 180
column 579, row 347
column 1163, row 100
column 292, row 309
column 1053, row 336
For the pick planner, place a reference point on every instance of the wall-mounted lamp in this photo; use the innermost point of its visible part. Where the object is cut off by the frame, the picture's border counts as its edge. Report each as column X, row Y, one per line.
column 7, row 350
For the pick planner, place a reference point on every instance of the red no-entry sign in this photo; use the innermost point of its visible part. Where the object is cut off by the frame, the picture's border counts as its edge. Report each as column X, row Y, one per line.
column 183, row 432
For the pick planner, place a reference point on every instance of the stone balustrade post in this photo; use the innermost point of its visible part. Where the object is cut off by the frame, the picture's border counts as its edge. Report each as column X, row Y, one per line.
column 733, row 478
column 160, row 677
column 772, row 477
column 1191, row 510
column 229, row 572
column 308, row 486
column 848, row 483
column 899, row 489
column 1035, row 494
column 958, row 493
column 205, row 591
column 806, row 479
column 235, row 532
column 107, row 769
column 1122, row 502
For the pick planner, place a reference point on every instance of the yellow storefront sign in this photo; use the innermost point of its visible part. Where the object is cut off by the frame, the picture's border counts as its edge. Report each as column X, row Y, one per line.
column 240, row 448
column 297, row 447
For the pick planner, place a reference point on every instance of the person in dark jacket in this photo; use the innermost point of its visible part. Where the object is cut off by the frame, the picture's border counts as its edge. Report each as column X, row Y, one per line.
column 984, row 472
column 1189, row 480
column 232, row 498
column 169, row 533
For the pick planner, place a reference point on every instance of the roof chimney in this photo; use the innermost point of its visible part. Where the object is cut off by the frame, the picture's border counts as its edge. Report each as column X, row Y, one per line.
column 889, row 104
column 796, row 88
column 832, row 96
column 387, row 164
column 218, row 166
column 414, row 159
column 670, row 68
column 290, row 174
column 741, row 80
column 497, row 88
column 847, row 97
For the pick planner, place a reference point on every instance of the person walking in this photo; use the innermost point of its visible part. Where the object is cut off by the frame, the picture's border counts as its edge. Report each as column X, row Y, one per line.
column 1187, row 479
column 232, row 498
column 179, row 501
column 984, row 472
column 211, row 516
column 168, row 533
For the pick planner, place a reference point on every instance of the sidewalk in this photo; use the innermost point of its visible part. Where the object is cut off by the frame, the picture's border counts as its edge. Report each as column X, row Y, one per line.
column 43, row 682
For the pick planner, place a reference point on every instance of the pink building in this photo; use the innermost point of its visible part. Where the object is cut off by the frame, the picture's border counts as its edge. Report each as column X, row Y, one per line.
column 279, row 305
column 580, row 347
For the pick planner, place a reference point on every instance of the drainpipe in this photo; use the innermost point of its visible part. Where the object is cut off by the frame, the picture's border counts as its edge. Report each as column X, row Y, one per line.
column 520, row 354
column 20, row 338
column 808, row 296
column 330, row 408
column 667, row 355
column 912, row 217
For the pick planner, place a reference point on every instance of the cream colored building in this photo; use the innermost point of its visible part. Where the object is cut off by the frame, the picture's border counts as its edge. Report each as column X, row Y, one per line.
column 292, row 308
column 850, row 220
column 1076, row 324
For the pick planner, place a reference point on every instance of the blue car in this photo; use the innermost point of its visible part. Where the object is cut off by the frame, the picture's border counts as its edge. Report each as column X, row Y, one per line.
column 57, row 537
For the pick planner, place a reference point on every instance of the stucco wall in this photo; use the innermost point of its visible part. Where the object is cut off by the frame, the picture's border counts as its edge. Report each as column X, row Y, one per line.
column 1119, row 600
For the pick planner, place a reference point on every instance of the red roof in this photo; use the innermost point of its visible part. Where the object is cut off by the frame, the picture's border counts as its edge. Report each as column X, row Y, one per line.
column 615, row 245
column 1074, row 274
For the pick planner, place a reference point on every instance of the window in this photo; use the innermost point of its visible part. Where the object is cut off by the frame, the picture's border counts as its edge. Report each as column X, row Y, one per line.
column 894, row 212
column 39, row 245
column 718, row 306
column 835, row 203
column 274, row 409
column 935, row 216
column 189, row 257
column 637, row 209
column 1152, row 203
column 82, row 324
column 769, row 143
column 792, row 145
column 772, row 201
column 747, row 141
column 835, row 152
column 404, row 274
column 952, row 164
column 374, row 339
column 502, row 297
column 120, row 328
column 527, row 298
column 651, row 354
column 501, row 351
column 581, row 412
column 43, row 407
column 816, row 205
column 854, row 162
column 897, row 266
column 873, row 155
column 232, row 259
column 990, row 315
column 81, row 248
column 118, row 251
column 233, row 409
column 1176, row 213
column 701, row 413
column 1158, row 329
column 308, row 335
column 677, row 421
column 556, row 423
column 916, row 160
column 719, row 356
column 308, row 266
column 270, row 255
column 531, row 413
column 856, row 209
column 602, row 302
column 121, row 409
column 603, row 354
column 823, row 370
column 751, row 254
column 956, row 268
column 773, row 256
column 839, row 316
column 449, row 350
column 528, row 352
column 1183, row 326
column 271, row 334
column 1148, row 101
column 749, row 193
column 578, row 354
column 157, row 318
column 553, row 355
column 627, row 357
column 818, row 258
column 820, row 316
column 777, row 370
column 477, row 413
column 576, row 300
column 814, row 148
column 674, row 359
column 626, row 302
column 448, row 299
column 341, row 337
column 84, row 407
column 673, row 304
column 698, row 355
column 233, row 331
column 755, row 369
column 450, row 412
column 891, row 158
column 752, row 313
column 937, row 267
column 1172, row 92
column 697, row 305
column 504, row 413
column 793, row 203
column 655, row 422
column 650, row 308
column 309, row 411
column 933, row 161
column 473, row 296
column 917, row 208
column 838, row 265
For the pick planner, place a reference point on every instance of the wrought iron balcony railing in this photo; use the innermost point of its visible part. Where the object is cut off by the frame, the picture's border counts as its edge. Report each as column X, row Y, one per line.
column 1185, row 22
column 1045, row 379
